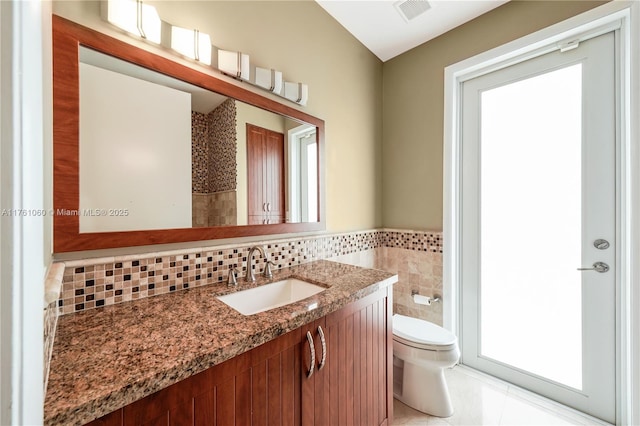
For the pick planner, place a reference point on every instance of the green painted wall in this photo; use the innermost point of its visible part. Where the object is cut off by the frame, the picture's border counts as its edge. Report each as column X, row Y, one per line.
column 413, row 106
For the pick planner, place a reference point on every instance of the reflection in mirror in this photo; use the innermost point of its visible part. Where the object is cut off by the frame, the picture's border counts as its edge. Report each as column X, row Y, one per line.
column 303, row 174
column 244, row 165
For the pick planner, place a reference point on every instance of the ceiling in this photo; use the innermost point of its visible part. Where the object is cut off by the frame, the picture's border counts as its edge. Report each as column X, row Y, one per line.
column 379, row 25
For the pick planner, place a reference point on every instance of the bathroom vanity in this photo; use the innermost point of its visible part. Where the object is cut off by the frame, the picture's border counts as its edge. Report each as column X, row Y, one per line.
column 188, row 358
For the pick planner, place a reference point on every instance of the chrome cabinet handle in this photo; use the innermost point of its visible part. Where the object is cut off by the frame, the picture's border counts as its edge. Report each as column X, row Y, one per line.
column 268, row 207
column 264, row 207
column 312, row 348
column 598, row 267
column 324, row 349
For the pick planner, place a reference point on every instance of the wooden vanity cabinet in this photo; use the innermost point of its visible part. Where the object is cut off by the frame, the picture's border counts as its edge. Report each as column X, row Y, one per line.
column 269, row 385
column 355, row 386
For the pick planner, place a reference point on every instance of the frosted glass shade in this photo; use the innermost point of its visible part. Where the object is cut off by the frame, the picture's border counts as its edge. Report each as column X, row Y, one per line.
column 269, row 79
column 234, row 63
column 125, row 14
column 296, row 92
column 192, row 44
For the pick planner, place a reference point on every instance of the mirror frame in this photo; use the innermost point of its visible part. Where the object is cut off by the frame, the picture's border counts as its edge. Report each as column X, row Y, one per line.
column 67, row 38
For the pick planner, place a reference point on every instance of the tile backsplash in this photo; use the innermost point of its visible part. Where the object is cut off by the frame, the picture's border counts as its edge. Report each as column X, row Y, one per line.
column 418, row 270
column 94, row 283
column 50, row 323
column 51, row 312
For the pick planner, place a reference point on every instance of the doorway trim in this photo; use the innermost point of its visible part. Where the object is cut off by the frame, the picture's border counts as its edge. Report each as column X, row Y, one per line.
column 624, row 17
column 293, row 170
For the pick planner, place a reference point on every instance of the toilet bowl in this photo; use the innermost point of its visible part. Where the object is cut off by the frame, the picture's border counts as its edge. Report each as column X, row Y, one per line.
column 421, row 352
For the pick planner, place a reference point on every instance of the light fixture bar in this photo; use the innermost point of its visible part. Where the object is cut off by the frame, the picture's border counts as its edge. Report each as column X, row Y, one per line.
column 299, row 93
column 196, row 45
column 139, row 9
column 134, row 17
column 142, row 20
column 192, row 44
column 235, row 64
column 269, row 79
column 296, row 92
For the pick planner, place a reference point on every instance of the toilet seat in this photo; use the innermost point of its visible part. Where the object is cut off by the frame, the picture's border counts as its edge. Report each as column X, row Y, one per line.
column 422, row 334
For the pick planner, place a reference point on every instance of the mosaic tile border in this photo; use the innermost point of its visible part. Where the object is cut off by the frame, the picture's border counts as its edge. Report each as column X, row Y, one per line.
column 52, row 286
column 101, row 282
column 413, row 240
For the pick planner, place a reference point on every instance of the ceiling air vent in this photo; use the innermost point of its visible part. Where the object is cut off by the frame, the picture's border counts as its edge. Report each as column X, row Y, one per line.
column 411, row 9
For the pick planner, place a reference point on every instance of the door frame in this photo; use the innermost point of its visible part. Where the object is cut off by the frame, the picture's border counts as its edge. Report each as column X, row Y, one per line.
column 25, row 248
column 293, row 178
column 624, row 18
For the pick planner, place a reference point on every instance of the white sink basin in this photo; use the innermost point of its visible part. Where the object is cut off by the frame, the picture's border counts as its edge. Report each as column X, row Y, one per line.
column 269, row 296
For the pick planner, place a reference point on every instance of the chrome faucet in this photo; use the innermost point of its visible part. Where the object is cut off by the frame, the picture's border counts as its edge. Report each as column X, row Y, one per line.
column 232, row 281
column 251, row 277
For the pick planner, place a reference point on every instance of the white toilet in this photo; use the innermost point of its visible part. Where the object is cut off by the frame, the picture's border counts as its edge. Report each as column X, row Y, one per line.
column 421, row 352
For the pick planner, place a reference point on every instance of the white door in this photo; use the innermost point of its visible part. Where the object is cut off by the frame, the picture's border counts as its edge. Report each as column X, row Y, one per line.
column 538, row 204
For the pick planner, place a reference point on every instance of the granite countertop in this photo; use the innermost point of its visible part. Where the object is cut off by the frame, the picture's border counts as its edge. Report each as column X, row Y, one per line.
column 106, row 358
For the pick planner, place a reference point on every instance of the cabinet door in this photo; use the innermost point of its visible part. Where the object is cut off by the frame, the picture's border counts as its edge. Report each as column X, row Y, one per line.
column 257, row 220
column 310, row 377
column 274, row 176
column 274, row 382
column 210, row 396
column 266, row 186
column 256, row 153
column 111, row 419
column 354, row 387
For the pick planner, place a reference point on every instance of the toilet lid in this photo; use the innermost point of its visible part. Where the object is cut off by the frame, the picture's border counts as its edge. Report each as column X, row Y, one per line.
column 421, row 332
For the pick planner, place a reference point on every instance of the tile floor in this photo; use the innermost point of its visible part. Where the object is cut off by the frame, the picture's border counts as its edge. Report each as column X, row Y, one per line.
column 479, row 399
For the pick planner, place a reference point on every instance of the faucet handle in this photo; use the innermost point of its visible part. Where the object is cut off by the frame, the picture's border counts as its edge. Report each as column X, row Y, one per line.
column 233, row 277
column 268, row 273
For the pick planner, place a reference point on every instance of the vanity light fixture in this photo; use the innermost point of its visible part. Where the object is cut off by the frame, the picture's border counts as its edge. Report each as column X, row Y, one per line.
column 235, row 64
column 192, row 44
column 142, row 20
column 269, row 79
column 296, row 92
column 134, row 17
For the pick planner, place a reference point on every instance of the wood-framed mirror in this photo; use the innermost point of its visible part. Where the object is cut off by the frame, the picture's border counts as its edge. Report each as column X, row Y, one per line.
column 252, row 166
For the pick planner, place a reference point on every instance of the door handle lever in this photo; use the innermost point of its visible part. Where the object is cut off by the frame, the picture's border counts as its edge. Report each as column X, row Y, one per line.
column 598, row 267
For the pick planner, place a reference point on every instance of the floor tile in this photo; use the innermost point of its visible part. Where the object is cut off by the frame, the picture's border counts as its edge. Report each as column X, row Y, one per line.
column 518, row 412
column 479, row 399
